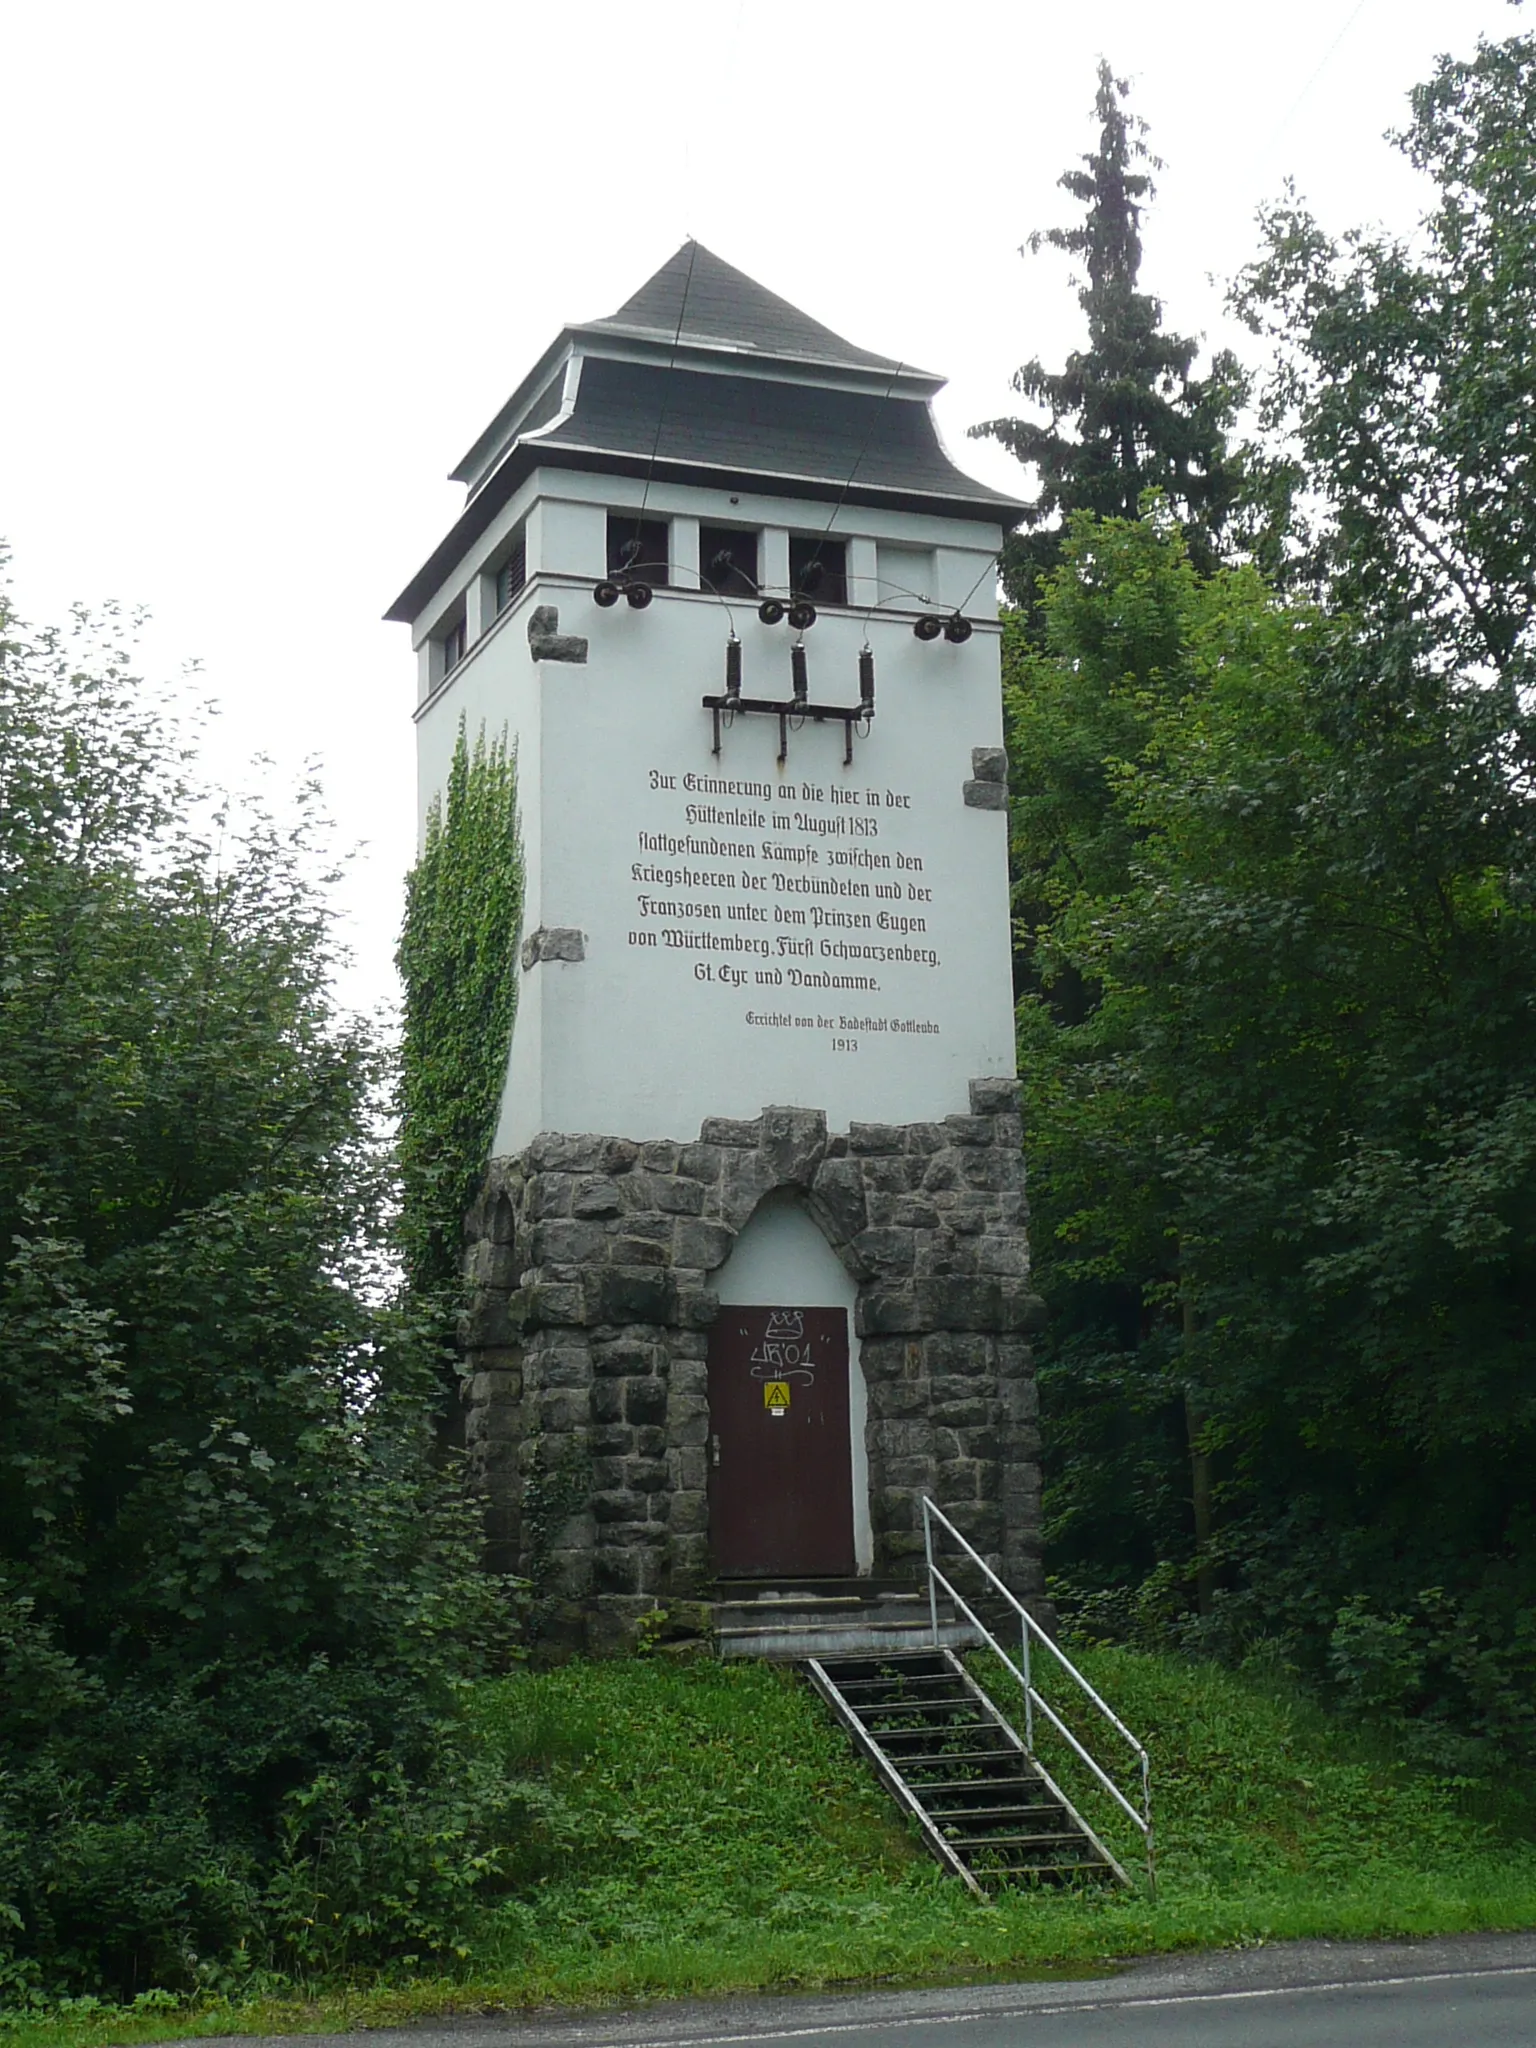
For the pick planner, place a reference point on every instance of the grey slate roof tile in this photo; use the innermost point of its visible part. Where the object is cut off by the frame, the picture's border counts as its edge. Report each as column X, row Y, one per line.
column 724, row 305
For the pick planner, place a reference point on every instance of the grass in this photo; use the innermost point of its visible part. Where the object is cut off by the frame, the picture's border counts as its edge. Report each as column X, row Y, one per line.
column 709, row 1830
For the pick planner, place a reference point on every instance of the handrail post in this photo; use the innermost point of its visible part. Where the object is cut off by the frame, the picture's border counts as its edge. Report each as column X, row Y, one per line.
column 933, row 1596
column 1029, row 1691
column 1146, row 1814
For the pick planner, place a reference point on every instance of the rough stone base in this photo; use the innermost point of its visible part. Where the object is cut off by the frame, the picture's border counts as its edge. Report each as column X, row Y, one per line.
column 587, row 1408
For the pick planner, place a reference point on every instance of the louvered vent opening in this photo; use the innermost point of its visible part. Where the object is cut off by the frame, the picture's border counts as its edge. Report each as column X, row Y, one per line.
column 512, row 574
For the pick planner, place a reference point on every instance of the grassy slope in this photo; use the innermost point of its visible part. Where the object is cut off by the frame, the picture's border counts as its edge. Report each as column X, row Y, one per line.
column 719, row 1835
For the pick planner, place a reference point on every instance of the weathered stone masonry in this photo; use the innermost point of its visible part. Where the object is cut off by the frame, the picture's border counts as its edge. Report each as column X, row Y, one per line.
column 588, row 1332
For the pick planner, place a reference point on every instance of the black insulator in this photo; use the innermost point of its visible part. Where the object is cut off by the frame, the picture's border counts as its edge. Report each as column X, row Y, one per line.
column 770, row 611
column 606, row 594
column 867, row 677
column 639, row 595
column 733, row 667
column 957, row 629
column 802, row 616
column 928, row 627
column 798, row 674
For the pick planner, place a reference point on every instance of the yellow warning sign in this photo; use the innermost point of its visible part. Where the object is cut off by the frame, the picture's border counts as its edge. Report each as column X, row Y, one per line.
column 776, row 1395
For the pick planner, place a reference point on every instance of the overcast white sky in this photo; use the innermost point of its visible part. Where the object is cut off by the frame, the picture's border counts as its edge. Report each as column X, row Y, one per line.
column 268, row 270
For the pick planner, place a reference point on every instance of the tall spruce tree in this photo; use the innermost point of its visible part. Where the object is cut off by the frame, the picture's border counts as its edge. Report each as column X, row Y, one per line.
column 1126, row 415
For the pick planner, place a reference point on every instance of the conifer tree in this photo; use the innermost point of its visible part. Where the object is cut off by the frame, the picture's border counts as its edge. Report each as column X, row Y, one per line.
column 1126, row 415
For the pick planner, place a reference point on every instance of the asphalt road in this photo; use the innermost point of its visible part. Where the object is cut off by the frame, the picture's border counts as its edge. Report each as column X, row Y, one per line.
column 1477, row 1991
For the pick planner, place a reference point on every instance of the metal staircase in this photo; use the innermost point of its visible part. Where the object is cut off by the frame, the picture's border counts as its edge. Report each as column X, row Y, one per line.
column 983, row 1800
column 950, row 1760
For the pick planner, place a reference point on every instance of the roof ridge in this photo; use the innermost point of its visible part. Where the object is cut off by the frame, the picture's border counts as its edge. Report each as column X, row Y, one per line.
column 697, row 298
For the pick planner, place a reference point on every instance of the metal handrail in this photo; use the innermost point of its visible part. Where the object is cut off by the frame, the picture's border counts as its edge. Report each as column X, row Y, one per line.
column 1031, row 1629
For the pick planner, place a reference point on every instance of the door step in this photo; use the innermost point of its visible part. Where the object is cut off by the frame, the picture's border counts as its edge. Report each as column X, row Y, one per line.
column 791, row 1623
column 948, row 1758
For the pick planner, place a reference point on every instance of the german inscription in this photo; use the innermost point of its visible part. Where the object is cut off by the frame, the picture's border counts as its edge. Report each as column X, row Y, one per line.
column 807, row 902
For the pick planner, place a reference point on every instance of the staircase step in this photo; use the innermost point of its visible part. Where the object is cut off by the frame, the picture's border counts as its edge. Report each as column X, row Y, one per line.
column 950, row 1816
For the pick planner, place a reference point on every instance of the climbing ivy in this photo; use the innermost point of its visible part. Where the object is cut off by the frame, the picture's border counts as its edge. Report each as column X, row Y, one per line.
column 458, row 962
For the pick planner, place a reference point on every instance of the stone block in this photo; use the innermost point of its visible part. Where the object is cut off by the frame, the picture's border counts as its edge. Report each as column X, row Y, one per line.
column 597, row 1198
column 688, row 1377
column 607, row 1400
column 701, row 1244
column 483, row 1389
column 700, row 1163
column 562, row 1408
column 837, row 1199
column 688, row 1562
column 563, row 1242
column 1006, row 1255
column 985, row 796
column 619, row 1505
column 969, row 1130
column 697, row 1307
column 651, row 1440
column 488, row 1264
column 691, row 1467
column 995, row 1096
column 734, row 1133
column 745, row 1177
column 924, row 1138
column 886, row 1253
column 961, row 1412
column 645, row 1400
column 660, row 1155
column 868, row 1139
column 499, row 1423
column 647, row 1476
column 548, row 1194
column 611, row 1445
column 690, row 1515
column 913, row 1212
column 629, row 1294
column 893, row 1174
column 565, row 1152
column 881, row 1310
column 554, row 1303
column 630, row 1250
column 989, row 764
column 794, row 1143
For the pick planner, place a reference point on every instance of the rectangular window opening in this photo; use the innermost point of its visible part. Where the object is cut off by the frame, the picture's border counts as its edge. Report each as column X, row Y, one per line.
column 728, row 561
column 818, row 568
column 639, row 548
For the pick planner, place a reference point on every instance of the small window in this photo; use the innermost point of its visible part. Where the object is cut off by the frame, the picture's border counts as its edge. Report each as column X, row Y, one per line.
column 727, row 561
column 638, row 547
column 512, row 574
column 818, row 568
column 453, row 646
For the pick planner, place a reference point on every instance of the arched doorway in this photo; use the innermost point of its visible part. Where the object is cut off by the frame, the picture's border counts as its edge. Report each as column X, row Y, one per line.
column 789, row 1475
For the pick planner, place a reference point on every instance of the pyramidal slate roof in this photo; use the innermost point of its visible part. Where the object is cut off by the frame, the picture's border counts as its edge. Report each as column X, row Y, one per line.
column 697, row 299
column 706, row 377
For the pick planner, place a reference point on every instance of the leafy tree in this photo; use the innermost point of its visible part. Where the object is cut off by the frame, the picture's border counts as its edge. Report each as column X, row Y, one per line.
column 236, row 1605
column 1126, row 415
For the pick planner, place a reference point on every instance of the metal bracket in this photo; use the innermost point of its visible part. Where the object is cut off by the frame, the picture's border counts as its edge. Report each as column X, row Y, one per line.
column 797, row 706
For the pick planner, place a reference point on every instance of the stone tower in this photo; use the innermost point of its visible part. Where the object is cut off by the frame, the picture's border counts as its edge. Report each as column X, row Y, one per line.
column 750, row 1260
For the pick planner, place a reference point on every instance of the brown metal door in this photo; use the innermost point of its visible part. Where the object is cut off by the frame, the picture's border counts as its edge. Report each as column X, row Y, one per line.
column 781, row 1476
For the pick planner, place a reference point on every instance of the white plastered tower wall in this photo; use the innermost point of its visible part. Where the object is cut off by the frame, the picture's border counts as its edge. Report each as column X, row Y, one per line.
column 597, row 743
column 757, row 979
